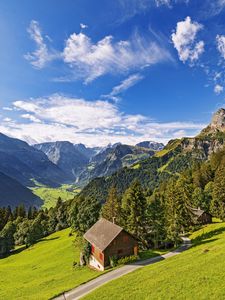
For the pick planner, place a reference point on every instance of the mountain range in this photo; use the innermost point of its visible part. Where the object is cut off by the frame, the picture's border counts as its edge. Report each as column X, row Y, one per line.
column 52, row 164
column 178, row 155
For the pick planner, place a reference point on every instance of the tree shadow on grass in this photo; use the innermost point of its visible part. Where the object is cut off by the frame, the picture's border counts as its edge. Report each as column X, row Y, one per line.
column 203, row 242
column 207, row 235
column 49, row 239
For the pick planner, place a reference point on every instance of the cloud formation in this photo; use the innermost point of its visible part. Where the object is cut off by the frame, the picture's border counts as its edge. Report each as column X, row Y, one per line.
column 90, row 122
column 184, row 40
column 91, row 60
column 88, row 60
column 123, row 86
column 41, row 56
column 220, row 40
column 218, row 89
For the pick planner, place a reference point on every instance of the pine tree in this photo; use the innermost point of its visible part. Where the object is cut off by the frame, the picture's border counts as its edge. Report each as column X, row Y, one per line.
column 218, row 200
column 112, row 208
column 134, row 207
column 156, row 219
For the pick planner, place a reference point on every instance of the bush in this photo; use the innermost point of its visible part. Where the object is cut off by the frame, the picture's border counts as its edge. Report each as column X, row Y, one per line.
column 127, row 260
column 113, row 261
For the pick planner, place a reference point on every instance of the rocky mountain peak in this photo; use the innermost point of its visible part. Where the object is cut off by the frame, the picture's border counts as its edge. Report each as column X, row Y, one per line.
column 217, row 124
column 218, row 120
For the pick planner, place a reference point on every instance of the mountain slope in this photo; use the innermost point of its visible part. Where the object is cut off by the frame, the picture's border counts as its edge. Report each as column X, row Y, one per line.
column 72, row 159
column 113, row 158
column 24, row 163
column 151, row 145
column 177, row 156
column 13, row 193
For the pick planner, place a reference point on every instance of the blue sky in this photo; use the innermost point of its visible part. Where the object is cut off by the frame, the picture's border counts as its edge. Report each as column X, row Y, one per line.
column 110, row 71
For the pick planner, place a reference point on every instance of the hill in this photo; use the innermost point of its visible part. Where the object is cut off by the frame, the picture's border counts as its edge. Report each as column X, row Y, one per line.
column 195, row 274
column 43, row 270
column 177, row 156
column 24, row 163
column 13, row 193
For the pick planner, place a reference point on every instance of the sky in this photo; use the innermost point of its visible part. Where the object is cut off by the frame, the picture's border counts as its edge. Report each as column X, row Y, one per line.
column 100, row 72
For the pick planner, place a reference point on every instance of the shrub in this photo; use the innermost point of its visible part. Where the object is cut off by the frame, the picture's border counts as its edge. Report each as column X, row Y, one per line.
column 127, row 260
column 113, row 261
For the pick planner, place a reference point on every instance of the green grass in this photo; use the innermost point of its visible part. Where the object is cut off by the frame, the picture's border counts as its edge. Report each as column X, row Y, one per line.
column 44, row 270
column 197, row 273
column 51, row 195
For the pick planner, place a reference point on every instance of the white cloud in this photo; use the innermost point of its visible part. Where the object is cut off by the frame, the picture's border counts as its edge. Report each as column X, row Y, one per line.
column 41, row 56
column 218, row 89
column 83, row 26
column 184, row 40
column 123, row 86
column 90, row 122
column 91, row 60
column 163, row 2
column 220, row 39
column 7, row 108
column 31, row 118
column 7, row 119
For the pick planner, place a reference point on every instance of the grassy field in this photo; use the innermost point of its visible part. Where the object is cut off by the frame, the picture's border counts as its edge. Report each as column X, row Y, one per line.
column 44, row 270
column 51, row 195
column 195, row 274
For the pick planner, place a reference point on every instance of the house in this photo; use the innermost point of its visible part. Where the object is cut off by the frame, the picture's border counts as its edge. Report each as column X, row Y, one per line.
column 200, row 216
column 108, row 239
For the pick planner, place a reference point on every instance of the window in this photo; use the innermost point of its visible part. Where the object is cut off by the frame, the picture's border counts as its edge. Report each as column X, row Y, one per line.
column 92, row 248
column 101, row 256
column 120, row 251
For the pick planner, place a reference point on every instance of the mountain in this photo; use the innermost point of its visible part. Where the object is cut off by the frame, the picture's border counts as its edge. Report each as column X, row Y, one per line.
column 25, row 164
column 71, row 158
column 151, row 145
column 13, row 193
column 112, row 158
column 82, row 164
column 177, row 156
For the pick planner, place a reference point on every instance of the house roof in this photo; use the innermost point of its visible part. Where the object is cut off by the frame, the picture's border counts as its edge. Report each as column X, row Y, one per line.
column 198, row 212
column 102, row 233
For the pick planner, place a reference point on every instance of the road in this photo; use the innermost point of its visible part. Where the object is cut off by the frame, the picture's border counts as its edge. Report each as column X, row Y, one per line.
column 88, row 287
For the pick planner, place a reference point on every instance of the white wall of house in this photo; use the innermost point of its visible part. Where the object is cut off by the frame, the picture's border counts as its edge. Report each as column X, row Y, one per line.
column 95, row 263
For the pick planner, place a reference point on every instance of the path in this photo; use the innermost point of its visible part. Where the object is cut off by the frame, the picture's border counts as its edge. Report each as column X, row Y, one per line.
column 88, row 287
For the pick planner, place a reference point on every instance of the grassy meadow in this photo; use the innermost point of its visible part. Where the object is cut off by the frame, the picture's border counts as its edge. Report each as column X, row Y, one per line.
column 197, row 273
column 44, row 270
column 51, row 195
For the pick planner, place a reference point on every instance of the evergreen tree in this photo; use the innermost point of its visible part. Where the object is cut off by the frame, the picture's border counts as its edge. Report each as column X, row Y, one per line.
column 112, row 208
column 156, row 219
column 134, row 207
column 218, row 200
column 84, row 213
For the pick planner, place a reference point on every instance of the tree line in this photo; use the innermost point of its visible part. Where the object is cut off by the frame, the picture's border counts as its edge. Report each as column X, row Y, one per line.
column 23, row 226
column 156, row 217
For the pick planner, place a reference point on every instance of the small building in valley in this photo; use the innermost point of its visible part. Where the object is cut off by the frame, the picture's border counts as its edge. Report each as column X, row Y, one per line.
column 109, row 240
column 200, row 216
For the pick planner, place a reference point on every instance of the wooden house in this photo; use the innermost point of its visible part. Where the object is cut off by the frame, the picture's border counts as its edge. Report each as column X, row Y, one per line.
column 108, row 239
column 200, row 216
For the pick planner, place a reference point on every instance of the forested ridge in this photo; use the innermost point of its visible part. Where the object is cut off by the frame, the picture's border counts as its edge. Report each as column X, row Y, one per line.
column 152, row 199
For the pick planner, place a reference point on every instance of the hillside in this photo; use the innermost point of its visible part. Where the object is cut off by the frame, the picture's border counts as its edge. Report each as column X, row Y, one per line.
column 24, row 163
column 112, row 159
column 177, row 156
column 44, row 270
column 194, row 274
column 13, row 193
column 72, row 159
